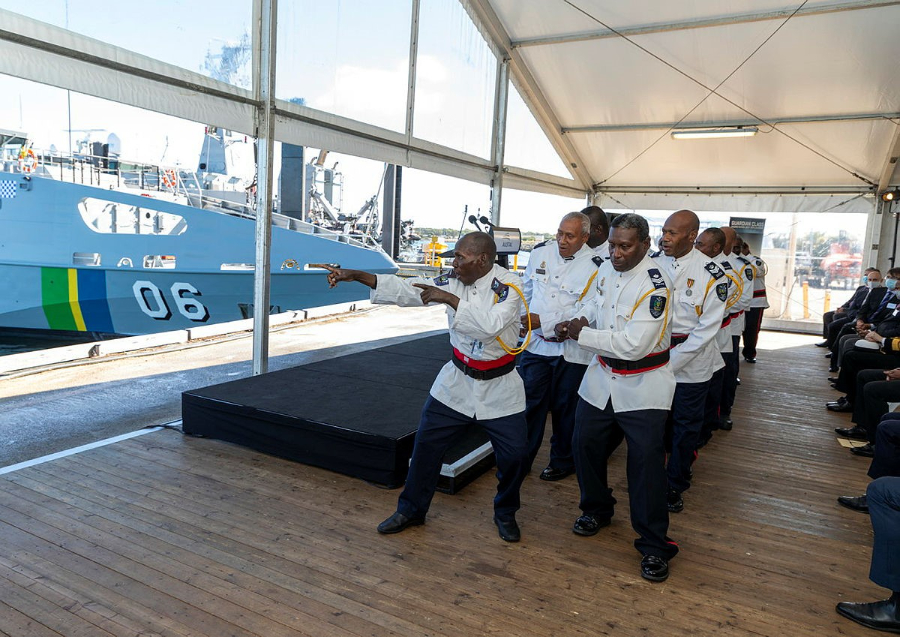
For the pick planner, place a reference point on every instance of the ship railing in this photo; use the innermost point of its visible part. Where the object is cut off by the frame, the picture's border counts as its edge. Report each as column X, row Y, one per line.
column 103, row 171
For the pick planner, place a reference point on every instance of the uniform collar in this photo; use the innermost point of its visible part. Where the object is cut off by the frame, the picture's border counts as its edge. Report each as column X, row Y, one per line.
column 601, row 250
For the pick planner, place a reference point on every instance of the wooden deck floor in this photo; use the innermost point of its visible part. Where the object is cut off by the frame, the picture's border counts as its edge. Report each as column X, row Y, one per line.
column 168, row 535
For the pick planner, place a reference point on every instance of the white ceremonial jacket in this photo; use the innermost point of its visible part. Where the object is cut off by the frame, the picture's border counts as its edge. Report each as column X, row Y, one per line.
column 742, row 265
column 481, row 317
column 553, row 287
column 700, row 294
column 602, row 250
column 760, row 269
column 735, row 289
column 629, row 318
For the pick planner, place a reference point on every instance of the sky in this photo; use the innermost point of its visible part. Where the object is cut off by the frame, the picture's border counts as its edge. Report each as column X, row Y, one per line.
column 338, row 56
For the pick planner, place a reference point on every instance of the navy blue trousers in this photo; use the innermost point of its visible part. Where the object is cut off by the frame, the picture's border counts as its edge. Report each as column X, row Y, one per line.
column 711, row 419
column 883, row 498
column 729, row 380
column 683, row 428
column 887, row 447
column 752, row 325
column 598, row 432
column 551, row 386
column 438, row 428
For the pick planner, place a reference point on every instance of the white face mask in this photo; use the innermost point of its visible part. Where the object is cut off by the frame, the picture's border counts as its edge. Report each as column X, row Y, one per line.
column 874, row 284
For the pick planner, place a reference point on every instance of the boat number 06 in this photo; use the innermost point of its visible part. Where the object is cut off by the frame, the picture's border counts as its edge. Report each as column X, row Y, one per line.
column 153, row 303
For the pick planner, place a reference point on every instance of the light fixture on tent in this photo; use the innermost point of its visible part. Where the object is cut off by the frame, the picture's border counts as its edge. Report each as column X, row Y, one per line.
column 890, row 195
column 712, row 133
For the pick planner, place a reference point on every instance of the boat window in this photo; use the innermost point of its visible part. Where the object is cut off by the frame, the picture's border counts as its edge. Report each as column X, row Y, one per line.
column 113, row 217
column 237, row 266
column 85, row 258
column 162, row 261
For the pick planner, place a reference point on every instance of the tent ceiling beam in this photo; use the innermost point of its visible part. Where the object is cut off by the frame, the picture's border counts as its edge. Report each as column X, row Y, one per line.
column 803, row 119
column 736, row 190
column 742, row 18
column 486, row 18
column 890, row 163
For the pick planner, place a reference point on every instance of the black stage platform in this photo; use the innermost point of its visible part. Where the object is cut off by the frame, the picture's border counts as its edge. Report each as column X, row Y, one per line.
column 356, row 414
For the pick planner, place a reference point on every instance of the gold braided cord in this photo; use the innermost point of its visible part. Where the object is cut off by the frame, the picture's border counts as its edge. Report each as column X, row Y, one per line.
column 517, row 350
column 588, row 286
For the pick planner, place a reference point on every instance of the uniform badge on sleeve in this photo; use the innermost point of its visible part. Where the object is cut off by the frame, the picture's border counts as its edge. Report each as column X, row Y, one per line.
column 443, row 279
column 500, row 289
column 598, row 260
column 749, row 273
column 657, row 305
column 722, row 291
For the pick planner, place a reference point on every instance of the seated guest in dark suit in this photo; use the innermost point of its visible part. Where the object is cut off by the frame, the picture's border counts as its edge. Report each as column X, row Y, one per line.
column 886, row 461
column 832, row 322
column 873, row 310
column 876, row 388
column 884, row 506
column 857, row 360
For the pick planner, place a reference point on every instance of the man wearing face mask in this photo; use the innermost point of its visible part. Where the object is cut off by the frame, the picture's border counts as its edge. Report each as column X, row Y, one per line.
column 874, row 309
column 832, row 322
column 856, row 360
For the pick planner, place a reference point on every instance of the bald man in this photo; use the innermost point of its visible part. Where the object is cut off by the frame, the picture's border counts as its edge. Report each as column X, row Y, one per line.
column 700, row 291
column 479, row 385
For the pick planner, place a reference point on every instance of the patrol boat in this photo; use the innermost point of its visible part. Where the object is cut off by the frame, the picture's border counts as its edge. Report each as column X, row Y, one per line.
column 89, row 243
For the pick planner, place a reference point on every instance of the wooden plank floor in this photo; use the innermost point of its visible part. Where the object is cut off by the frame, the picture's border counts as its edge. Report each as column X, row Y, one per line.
column 173, row 536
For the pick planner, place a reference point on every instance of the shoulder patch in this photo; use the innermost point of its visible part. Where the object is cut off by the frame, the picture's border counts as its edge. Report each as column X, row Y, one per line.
column 759, row 263
column 443, row 279
column 722, row 291
column 748, row 272
column 500, row 289
column 657, row 305
column 657, row 279
column 598, row 260
column 726, row 265
column 714, row 270
column 539, row 245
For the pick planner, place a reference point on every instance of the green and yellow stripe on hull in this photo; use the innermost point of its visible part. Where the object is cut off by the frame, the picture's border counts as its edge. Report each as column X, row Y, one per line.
column 75, row 300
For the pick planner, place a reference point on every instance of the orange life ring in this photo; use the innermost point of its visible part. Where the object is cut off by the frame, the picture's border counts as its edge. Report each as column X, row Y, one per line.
column 27, row 161
column 169, row 179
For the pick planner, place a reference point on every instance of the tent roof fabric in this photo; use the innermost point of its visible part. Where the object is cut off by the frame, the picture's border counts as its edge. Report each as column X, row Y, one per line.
column 818, row 79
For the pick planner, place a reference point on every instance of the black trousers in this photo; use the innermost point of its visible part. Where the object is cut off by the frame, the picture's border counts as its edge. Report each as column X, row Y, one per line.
column 438, row 429
column 834, row 329
column 711, row 419
column 874, row 393
column 883, row 497
column 551, row 386
column 598, row 432
column 887, row 447
column 752, row 324
column 729, row 380
column 857, row 360
column 827, row 318
column 683, row 428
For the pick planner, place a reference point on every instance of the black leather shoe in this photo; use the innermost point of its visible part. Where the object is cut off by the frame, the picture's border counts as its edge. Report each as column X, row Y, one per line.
column 840, row 401
column 854, row 433
column 884, row 615
column 844, row 407
column 655, row 569
column 866, row 451
column 750, row 360
column 832, row 370
column 674, row 501
column 828, row 355
column 552, row 474
column 727, row 424
column 822, row 344
column 855, row 503
column 588, row 525
column 398, row 522
column 832, row 379
column 737, row 380
column 508, row 529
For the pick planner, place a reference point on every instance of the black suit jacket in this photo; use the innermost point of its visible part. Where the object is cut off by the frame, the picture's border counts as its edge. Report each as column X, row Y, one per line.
column 869, row 307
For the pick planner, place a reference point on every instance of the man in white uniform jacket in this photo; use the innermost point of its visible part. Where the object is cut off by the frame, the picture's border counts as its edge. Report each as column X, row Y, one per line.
column 700, row 293
column 480, row 384
column 559, row 275
column 626, row 392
